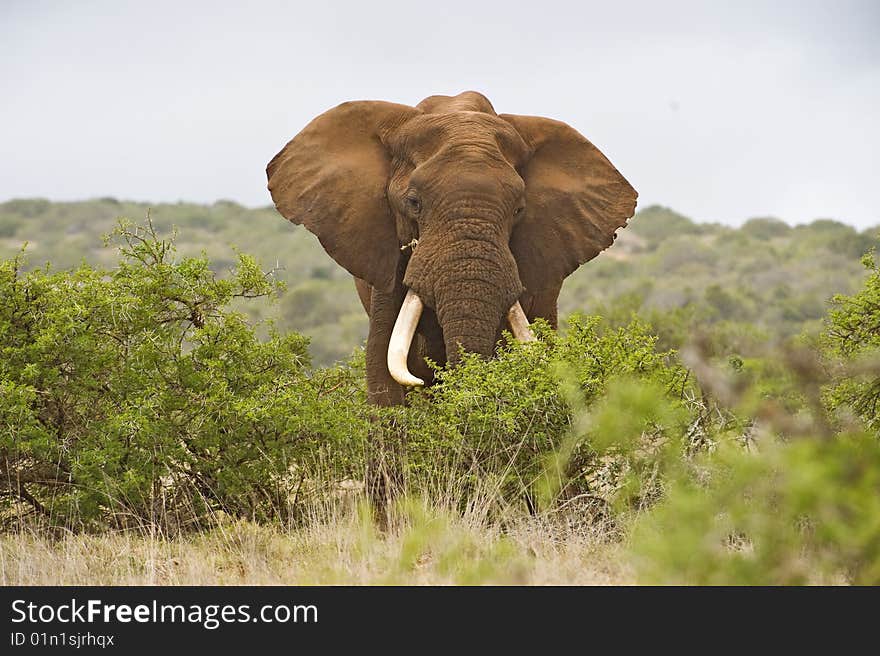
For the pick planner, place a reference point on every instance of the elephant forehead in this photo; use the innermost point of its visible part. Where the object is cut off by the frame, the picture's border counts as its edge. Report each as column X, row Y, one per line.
column 425, row 135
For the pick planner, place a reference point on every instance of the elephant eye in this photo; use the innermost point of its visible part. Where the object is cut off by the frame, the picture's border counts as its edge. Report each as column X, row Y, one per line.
column 518, row 210
column 413, row 204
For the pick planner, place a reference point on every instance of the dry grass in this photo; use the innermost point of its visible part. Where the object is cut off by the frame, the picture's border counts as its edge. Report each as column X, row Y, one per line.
column 424, row 547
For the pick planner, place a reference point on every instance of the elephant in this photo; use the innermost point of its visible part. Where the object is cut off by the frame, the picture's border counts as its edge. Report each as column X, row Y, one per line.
column 455, row 222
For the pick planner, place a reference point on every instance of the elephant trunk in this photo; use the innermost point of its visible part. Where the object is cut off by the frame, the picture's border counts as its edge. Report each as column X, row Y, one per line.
column 469, row 325
column 474, row 291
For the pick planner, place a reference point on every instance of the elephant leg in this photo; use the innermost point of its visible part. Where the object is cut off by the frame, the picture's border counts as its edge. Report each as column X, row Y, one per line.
column 382, row 389
column 365, row 293
column 384, row 467
column 384, row 481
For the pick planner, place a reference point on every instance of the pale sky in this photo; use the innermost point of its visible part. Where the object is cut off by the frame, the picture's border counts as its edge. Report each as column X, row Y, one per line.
column 720, row 110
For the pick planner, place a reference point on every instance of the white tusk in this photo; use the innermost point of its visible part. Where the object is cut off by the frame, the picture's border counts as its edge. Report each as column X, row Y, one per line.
column 401, row 339
column 519, row 325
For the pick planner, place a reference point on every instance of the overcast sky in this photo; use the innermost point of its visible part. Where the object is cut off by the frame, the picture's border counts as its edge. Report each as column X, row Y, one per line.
column 720, row 110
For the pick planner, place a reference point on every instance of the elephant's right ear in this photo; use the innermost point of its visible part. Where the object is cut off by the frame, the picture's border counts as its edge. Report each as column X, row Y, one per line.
column 332, row 178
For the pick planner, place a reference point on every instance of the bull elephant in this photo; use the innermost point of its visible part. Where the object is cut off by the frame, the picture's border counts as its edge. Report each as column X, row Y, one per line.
column 453, row 219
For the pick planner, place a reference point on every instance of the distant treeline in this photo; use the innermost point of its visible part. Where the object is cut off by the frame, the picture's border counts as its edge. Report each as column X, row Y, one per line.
column 763, row 281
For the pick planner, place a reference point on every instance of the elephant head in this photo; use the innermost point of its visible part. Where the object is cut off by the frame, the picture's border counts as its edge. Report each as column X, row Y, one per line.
column 468, row 209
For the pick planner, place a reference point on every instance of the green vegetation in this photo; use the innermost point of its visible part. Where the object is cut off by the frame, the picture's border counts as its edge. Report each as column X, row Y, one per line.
column 851, row 341
column 137, row 396
column 725, row 436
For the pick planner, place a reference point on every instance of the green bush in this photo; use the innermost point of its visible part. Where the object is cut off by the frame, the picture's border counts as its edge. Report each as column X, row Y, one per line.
column 657, row 223
column 791, row 513
column 500, row 422
column 851, row 344
column 766, row 228
column 136, row 396
column 782, row 497
column 9, row 225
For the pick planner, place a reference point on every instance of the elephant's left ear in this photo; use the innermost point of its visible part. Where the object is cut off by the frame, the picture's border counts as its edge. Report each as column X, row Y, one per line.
column 575, row 202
